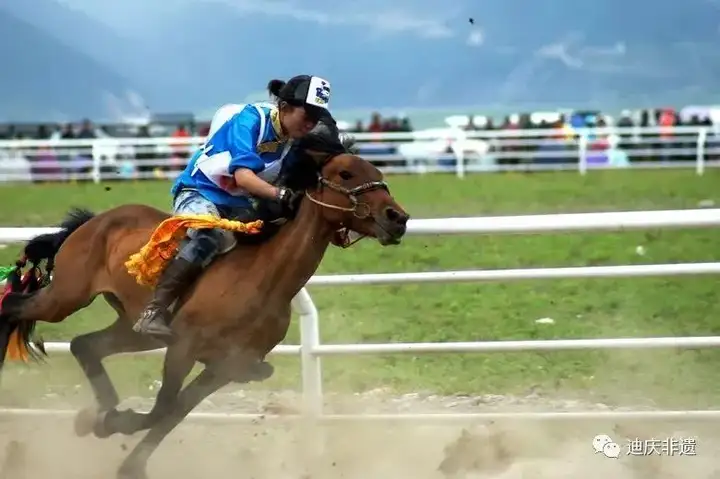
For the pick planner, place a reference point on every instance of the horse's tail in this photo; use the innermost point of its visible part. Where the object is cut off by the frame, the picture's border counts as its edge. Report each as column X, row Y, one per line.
column 16, row 336
column 46, row 246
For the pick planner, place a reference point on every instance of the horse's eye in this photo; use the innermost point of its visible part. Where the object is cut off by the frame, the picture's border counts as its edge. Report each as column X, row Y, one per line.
column 345, row 175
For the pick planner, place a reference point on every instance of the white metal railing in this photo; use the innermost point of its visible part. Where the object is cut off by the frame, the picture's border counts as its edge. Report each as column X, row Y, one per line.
column 311, row 350
column 437, row 150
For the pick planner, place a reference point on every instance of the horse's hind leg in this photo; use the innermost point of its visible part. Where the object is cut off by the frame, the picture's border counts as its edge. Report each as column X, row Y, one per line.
column 204, row 384
column 51, row 304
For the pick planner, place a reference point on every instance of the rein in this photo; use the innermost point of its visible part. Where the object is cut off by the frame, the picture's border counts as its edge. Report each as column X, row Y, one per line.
column 359, row 209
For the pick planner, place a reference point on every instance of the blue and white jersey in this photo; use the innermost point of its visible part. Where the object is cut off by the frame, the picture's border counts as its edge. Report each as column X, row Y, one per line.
column 240, row 136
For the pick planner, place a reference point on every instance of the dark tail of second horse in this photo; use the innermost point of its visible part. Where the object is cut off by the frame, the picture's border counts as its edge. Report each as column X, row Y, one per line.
column 21, row 287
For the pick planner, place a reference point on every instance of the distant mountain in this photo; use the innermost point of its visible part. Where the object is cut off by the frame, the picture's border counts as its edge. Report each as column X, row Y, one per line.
column 76, row 30
column 85, row 35
column 42, row 79
column 549, row 53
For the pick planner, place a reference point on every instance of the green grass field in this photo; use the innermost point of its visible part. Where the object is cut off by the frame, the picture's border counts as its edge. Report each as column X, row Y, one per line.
column 463, row 312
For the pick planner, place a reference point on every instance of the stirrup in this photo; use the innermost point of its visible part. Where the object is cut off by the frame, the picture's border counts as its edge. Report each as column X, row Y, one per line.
column 152, row 322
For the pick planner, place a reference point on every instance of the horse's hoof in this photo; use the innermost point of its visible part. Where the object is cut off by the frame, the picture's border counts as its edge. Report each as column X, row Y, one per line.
column 100, row 428
column 263, row 371
column 259, row 371
column 85, row 421
column 131, row 473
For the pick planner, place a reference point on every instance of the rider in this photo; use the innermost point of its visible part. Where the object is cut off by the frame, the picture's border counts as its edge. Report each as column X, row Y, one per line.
column 228, row 176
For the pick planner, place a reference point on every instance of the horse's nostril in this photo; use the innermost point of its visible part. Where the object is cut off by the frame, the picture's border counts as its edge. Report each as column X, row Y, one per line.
column 396, row 216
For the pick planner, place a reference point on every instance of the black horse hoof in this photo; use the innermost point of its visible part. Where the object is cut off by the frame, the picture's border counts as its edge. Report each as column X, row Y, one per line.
column 131, row 473
column 263, row 371
column 259, row 371
column 102, row 428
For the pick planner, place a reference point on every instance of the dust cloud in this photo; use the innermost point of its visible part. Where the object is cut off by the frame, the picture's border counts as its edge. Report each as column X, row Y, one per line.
column 32, row 447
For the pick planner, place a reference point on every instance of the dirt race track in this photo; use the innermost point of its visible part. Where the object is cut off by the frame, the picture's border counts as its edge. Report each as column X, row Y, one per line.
column 46, row 447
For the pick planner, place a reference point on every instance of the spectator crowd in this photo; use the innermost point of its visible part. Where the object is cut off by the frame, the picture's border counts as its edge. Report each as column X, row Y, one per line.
column 378, row 124
column 77, row 161
column 556, row 146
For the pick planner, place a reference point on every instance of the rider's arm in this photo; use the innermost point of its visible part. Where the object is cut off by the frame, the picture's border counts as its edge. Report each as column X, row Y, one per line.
column 245, row 162
column 247, row 179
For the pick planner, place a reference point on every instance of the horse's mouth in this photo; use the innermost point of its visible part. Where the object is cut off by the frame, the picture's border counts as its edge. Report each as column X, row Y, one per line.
column 389, row 234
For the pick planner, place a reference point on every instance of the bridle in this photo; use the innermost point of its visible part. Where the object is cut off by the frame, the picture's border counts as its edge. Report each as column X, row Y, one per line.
column 351, row 194
column 359, row 209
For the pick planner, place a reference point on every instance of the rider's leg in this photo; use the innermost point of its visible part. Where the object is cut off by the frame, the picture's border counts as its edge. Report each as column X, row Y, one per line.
column 196, row 252
column 179, row 274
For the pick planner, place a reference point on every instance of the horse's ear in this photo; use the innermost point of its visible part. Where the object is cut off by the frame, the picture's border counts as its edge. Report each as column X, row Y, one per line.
column 349, row 143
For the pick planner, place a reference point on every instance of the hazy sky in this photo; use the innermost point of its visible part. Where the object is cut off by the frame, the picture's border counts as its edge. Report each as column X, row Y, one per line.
column 426, row 18
column 514, row 49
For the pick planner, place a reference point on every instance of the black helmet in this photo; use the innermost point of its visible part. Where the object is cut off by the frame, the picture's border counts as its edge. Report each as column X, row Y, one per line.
column 310, row 92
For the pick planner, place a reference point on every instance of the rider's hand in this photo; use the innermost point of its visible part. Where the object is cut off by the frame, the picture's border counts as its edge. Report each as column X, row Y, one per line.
column 289, row 200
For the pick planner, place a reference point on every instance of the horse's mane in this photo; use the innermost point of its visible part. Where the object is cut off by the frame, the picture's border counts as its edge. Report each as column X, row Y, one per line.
column 301, row 173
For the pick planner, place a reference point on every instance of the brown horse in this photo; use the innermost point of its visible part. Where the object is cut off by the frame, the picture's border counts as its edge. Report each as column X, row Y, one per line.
column 229, row 320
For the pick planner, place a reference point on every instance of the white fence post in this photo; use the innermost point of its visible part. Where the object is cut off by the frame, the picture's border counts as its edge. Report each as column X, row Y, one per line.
column 310, row 361
column 701, row 142
column 582, row 152
column 458, row 148
column 313, row 445
column 96, row 168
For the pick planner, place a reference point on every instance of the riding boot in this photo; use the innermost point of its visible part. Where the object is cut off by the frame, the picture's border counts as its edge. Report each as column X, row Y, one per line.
column 155, row 319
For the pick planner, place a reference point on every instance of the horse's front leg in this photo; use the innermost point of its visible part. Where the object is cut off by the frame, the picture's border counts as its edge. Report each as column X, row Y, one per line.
column 89, row 350
column 204, row 384
column 177, row 366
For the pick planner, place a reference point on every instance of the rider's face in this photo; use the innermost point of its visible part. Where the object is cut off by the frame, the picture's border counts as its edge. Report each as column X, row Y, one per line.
column 296, row 122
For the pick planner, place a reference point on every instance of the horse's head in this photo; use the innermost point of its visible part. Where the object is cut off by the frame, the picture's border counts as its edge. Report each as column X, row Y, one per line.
column 349, row 189
column 354, row 197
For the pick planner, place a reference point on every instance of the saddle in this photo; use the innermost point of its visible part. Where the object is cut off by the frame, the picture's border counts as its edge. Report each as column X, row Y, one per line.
column 147, row 264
